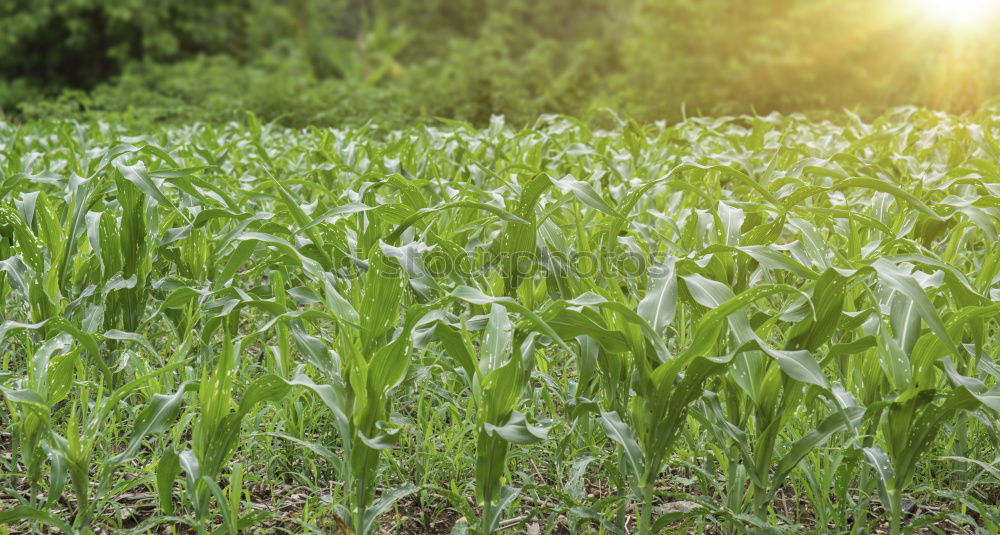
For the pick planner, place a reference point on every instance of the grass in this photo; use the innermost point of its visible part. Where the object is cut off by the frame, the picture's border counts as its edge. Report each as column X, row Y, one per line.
column 741, row 324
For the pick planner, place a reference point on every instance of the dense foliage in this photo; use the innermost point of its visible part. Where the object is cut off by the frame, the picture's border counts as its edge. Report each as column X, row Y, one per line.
column 50, row 43
column 336, row 62
column 727, row 325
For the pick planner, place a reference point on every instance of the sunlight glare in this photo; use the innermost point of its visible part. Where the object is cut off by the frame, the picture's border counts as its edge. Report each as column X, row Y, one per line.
column 959, row 12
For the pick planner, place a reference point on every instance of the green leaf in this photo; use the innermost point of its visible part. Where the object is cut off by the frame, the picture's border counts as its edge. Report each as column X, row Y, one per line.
column 586, row 194
column 660, row 302
column 155, row 418
column 900, row 281
column 384, row 503
column 27, row 512
column 474, row 296
column 517, row 430
column 879, row 461
column 831, row 425
column 625, row 437
column 167, row 470
column 137, row 175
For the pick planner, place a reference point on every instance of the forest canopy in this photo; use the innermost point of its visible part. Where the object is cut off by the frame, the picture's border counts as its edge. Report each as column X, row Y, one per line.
column 349, row 61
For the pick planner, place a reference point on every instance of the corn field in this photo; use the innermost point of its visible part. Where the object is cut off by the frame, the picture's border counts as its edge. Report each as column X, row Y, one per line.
column 733, row 325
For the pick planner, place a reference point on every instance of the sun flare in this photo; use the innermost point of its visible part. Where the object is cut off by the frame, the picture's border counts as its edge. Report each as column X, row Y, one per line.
column 959, row 12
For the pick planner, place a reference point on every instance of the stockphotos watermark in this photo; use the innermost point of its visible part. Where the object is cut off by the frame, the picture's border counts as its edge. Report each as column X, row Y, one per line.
column 418, row 260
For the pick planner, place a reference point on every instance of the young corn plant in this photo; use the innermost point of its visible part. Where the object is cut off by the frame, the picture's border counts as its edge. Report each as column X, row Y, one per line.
column 498, row 375
column 926, row 390
column 215, row 437
column 371, row 359
column 70, row 452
